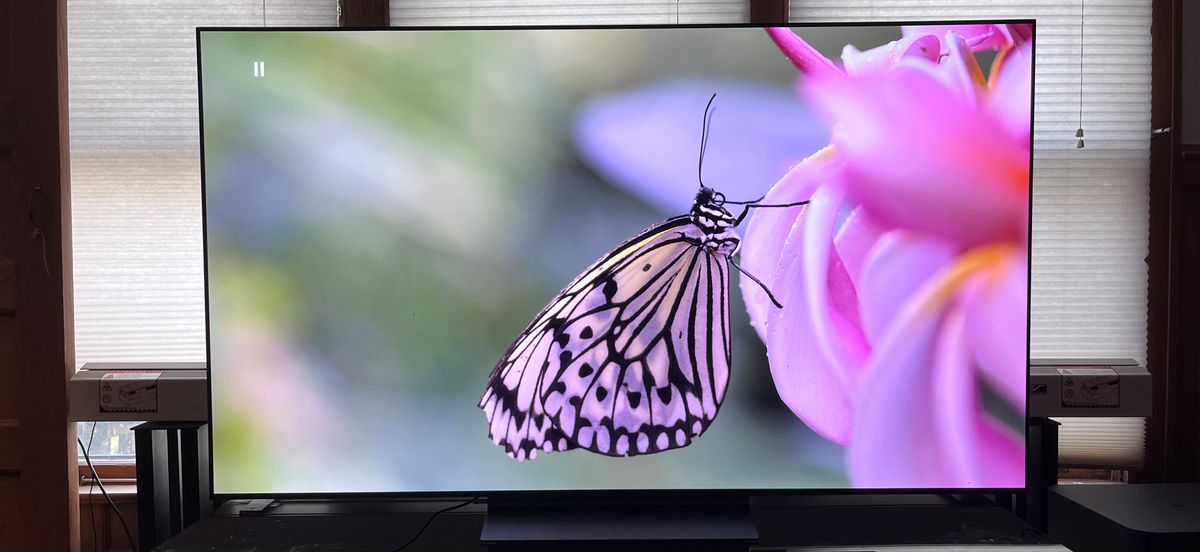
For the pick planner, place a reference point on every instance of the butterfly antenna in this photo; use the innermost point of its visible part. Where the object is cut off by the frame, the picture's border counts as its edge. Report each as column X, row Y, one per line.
column 757, row 281
column 704, row 140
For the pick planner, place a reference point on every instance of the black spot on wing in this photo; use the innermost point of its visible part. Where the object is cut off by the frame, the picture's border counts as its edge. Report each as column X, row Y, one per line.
column 610, row 289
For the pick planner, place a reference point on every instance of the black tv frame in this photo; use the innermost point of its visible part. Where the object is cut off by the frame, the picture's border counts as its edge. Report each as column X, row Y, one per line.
column 721, row 496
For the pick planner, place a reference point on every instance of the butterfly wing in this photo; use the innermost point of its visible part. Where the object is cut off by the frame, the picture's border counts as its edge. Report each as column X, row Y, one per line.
column 631, row 357
column 644, row 362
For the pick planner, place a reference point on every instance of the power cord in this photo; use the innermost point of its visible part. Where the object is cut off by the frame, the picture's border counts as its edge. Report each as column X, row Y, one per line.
column 96, row 478
column 92, row 505
column 433, row 517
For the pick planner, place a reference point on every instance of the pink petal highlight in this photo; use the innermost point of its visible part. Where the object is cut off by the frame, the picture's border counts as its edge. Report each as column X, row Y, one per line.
column 807, row 59
column 882, row 58
column 978, row 37
column 904, row 134
column 814, row 352
column 768, row 229
column 839, row 338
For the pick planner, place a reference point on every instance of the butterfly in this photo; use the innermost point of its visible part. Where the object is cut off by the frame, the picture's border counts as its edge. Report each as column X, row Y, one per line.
column 633, row 355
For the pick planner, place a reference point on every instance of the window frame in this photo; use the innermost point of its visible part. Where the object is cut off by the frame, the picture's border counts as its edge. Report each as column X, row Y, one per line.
column 1173, row 431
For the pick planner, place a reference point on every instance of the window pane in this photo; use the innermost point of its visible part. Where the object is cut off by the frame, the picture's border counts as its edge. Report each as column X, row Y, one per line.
column 111, row 442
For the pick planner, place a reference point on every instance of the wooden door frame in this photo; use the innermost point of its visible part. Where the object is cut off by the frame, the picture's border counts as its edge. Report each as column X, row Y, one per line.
column 40, row 206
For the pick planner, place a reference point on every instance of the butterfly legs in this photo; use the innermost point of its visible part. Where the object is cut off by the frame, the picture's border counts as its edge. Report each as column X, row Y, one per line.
column 721, row 246
column 755, row 204
column 764, row 287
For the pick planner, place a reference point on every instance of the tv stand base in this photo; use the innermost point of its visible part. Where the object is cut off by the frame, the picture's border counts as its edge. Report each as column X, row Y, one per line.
column 627, row 527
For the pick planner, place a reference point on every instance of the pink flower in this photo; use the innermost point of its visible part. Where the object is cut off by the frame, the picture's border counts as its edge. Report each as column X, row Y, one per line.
column 904, row 279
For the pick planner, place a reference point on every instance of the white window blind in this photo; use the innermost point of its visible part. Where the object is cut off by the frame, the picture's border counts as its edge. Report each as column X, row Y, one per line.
column 565, row 12
column 135, row 168
column 1091, row 209
column 1104, row 442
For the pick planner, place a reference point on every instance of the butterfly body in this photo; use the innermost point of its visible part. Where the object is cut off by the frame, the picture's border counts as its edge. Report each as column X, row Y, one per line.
column 715, row 221
column 632, row 357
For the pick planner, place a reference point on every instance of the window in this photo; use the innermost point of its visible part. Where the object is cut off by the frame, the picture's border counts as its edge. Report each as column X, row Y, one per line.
column 108, row 443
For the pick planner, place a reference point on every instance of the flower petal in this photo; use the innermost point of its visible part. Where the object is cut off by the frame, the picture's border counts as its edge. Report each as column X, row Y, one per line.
column 815, row 353
column 997, row 308
column 893, row 442
column 768, row 229
column 896, row 267
column 979, row 37
column 884, row 57
column 979, row 452
column 906, row 135
column 1020, row 34
column 1010, row 97
column 854, row 240
column 807, row 59
column 960, row 70
column 898, row 404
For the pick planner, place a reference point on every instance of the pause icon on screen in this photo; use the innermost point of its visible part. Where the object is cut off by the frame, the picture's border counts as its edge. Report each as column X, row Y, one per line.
column 260, row 69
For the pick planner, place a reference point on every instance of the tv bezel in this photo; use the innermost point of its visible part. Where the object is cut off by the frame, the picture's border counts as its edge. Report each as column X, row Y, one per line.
column 667, row 495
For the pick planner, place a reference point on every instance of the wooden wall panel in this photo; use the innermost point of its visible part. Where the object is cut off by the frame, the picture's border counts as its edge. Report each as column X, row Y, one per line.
column 10, row 513
column 10, row 489
column 10, row 459
column 109, row 536
column 364, row 13
column 769, row 11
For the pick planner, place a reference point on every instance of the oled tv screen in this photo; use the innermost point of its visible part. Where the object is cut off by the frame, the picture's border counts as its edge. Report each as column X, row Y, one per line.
column 601, row 259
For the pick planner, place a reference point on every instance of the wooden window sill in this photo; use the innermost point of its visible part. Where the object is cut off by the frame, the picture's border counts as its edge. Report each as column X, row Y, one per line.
column 121, row 493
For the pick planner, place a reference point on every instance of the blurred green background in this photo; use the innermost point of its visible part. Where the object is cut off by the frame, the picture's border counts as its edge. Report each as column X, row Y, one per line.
column 386, row 211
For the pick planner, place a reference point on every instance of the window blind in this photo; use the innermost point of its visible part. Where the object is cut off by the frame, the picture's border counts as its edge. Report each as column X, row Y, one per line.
column 565, row 12
column 1102, row 442
column 1091, row 210
column 135, row 168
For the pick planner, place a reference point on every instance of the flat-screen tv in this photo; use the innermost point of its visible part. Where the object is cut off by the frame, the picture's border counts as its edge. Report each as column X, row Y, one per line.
column 686, row 258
